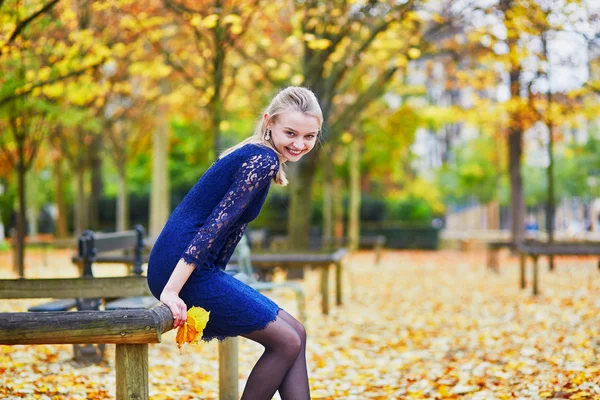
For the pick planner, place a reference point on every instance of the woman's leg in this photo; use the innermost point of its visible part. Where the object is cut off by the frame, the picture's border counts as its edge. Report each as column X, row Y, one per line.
column 282, row 346
column 295, row 384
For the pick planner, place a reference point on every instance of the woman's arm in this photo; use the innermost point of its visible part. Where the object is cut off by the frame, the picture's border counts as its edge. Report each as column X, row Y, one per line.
column 170, row 293
column 254, row 174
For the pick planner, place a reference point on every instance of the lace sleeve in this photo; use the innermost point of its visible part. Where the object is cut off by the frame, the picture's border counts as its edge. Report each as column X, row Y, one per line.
column 254, row 174
column 229, row 247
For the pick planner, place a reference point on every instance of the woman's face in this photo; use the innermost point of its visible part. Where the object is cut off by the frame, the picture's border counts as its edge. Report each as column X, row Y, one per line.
column 294, row 134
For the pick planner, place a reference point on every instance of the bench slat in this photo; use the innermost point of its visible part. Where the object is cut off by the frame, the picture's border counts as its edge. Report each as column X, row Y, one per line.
column 79, row 327
column 58, row 305
column 560, row 249
column 131, row 303
column 73, row 287
column 104, row 242
column 296, row 259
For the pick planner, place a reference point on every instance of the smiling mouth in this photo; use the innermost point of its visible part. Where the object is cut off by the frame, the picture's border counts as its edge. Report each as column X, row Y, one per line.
column 294, row 152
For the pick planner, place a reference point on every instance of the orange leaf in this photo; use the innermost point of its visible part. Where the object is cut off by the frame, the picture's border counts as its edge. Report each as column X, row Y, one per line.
column 191, row 331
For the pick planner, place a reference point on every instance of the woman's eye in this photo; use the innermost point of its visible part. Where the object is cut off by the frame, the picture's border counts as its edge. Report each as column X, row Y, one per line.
column 290, row 133
column 311, row 137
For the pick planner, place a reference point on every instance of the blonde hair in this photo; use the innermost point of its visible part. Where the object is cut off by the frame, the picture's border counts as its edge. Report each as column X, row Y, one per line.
column 292, row 98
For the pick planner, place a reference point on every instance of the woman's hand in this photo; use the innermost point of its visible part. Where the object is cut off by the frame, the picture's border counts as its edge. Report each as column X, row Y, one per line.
column 176, row 305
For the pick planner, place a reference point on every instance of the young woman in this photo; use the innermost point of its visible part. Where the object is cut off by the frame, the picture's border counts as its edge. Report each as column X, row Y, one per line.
column 187, row 262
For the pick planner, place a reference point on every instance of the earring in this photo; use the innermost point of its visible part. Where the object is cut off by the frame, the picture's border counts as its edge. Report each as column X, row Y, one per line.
column 268, row 135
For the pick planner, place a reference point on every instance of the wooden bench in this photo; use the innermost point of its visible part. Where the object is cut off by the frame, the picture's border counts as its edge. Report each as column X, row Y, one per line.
column 129, row 330
column 535, row 249
column 300, row 260
column 376, row 242
column 493, row 252
column 280, row 243
column 90, row 247
column 102, row 248
column 244, row 271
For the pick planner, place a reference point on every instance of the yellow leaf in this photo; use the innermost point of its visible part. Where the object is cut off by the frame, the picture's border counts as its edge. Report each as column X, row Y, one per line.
column 414, row 53
column 191, row 331
column 297, row 80
column 196, row 20
column 232, row 19
column 210, row 21
column 319, row 44
column 443, row 391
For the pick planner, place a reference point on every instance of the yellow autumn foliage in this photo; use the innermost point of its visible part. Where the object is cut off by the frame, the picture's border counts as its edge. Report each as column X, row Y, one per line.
column 191, row 331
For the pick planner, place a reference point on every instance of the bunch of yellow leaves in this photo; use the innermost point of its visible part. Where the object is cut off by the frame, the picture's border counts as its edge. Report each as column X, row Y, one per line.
column 191, row 331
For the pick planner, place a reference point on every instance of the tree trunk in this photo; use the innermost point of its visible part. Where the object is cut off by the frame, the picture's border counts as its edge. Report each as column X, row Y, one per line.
column 515, row 150
column 80, row 203
column 32, row 221
column 515, row 131
column 338, row 207
column 328, row 199
column 215, row 106
column 97, row 185
column 159, row 195
column 122, row 201
column 302, row 174
column 355, row 196
column 80, row 223
column 61, row 219
column 19, row 261
column 550, row 170
column 493, row 215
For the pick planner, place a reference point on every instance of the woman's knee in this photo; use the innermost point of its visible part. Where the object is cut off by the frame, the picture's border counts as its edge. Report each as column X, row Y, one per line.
column 288, row 341
column 300, row 330
column 280, row 337
column 294, row 323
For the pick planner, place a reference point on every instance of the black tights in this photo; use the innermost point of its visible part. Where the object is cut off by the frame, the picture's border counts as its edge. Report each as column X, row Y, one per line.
column 282, row 367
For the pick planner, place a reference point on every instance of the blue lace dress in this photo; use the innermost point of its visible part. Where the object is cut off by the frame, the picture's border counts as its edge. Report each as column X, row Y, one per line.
column 204, row 230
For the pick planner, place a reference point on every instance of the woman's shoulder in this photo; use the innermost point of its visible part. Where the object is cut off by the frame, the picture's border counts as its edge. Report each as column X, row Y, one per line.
column 256, row 154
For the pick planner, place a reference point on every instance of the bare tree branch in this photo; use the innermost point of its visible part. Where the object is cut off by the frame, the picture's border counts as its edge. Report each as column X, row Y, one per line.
column 7, row 154
column 28, row 20
column 350, row 114
column 14, row 96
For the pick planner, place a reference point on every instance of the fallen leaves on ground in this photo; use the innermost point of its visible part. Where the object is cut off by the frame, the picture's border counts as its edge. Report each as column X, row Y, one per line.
column 433, row 325
column 191, row 330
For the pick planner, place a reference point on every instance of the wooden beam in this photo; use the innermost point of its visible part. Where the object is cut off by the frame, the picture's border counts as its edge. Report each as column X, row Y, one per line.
column 78, row 327
column 73, row 287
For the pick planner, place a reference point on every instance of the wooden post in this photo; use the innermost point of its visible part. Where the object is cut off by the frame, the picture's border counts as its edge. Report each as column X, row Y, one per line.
column 522, row 262
column 131, row 367
column 535, row 275
column 228, row 369
column 490, row 256
column 550, row 263
column 324, row 290
column 300, row 299
column 338, row 283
